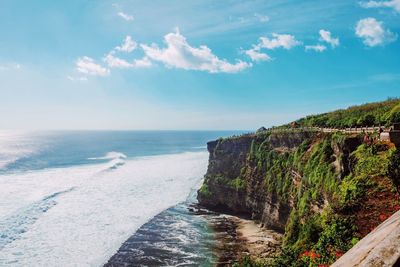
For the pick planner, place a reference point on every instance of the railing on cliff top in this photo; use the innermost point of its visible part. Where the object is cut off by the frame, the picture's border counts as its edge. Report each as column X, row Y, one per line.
column 353, row 130
column 326, row 130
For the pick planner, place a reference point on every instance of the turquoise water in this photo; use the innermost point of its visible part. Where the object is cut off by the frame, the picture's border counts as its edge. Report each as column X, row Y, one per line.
column 73, row 198
column 175, row 237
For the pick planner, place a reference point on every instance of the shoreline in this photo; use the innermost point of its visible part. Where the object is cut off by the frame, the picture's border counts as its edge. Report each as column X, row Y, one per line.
column 228, row 240
column 238, row 238
column 262, row 243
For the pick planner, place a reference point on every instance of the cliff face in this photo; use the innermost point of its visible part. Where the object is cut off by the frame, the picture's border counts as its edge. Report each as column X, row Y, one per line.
column 227, row 158
column 235, row 182
column 319, row 189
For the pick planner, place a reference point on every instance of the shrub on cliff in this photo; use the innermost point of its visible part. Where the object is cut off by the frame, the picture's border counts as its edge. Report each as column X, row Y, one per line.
column 394, row 115
column 380, row 113
column 393, row 170
column 328, row 230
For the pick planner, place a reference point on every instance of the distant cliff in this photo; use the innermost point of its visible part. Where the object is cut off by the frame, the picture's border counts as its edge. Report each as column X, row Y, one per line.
column 324, row 191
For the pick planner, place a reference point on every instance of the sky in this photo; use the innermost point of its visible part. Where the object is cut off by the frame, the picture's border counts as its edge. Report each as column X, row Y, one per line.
column 192, row 65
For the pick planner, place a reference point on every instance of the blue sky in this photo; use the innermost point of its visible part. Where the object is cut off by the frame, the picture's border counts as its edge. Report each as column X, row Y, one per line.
column 192, row 64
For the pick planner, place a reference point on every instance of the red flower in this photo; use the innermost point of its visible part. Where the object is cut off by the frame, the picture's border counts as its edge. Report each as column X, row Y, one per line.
column 338, row 254
column 382, row 217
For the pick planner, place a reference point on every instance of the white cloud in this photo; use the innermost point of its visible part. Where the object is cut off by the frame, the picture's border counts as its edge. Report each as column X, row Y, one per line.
column 285, row 41
column 115, row 62
column 327, row 37
column 261, row 18
column 128, row 45
column 142, row 63
column 87, row 66
column 316, row 48
column 11, row 66
column 395, row 4
column 180, row 54
column 125, row 16
column 373, row 32
column 256, row 55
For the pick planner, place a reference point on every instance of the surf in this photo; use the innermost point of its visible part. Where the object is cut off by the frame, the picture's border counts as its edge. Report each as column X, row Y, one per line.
column 82, row 214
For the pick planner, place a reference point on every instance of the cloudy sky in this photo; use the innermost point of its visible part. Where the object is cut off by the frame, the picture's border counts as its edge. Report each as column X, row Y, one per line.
column 200, row 64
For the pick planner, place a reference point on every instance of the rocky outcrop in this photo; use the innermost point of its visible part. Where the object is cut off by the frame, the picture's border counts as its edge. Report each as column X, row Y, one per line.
column 235, row 184
column 381, row 247
column 235, row 181
column 325, row 191
column 289, row 140
column 227, row 158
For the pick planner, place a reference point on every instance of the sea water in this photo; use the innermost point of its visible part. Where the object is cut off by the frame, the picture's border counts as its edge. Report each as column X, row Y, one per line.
column 72, row 198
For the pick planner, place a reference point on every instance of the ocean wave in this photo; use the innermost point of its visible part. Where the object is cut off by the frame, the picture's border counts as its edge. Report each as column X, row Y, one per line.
column 111, row 155
column 87, row 226
column 117, row 159
column 113, row 164
column 16, row 224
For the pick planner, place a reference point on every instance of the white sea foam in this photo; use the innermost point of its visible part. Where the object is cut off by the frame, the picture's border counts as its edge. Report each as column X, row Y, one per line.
column 79, row 216
column 112, row 155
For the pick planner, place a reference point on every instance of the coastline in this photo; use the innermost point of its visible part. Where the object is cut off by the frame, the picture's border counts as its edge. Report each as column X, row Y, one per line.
column 188, row 234
column 239, row 238
column 261, row 243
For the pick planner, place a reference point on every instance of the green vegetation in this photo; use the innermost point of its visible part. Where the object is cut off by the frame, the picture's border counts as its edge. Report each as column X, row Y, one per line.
column 204, row 190
column 393, row 170
column 380, row 113
column 327, row 179
column 238, row 183
column 321, row 225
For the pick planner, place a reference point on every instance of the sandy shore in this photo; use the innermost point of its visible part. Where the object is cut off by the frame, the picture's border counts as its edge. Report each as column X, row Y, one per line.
column 238, row 238
column 261, row 243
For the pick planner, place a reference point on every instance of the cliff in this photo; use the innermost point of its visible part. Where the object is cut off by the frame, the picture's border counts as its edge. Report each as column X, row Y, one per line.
column 235, row 182
column 323, row 191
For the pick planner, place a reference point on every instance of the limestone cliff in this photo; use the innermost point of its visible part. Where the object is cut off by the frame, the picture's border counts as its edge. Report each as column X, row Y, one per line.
column 235, row 183
column 235, row 180
column 312, row 186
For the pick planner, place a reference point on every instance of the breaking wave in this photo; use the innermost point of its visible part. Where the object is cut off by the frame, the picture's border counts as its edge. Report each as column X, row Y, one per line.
column 81, row 215
column 18, row 223
column 112, row 155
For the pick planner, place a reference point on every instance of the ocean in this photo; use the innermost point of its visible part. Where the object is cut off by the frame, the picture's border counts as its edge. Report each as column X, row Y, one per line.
column 72, row 198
